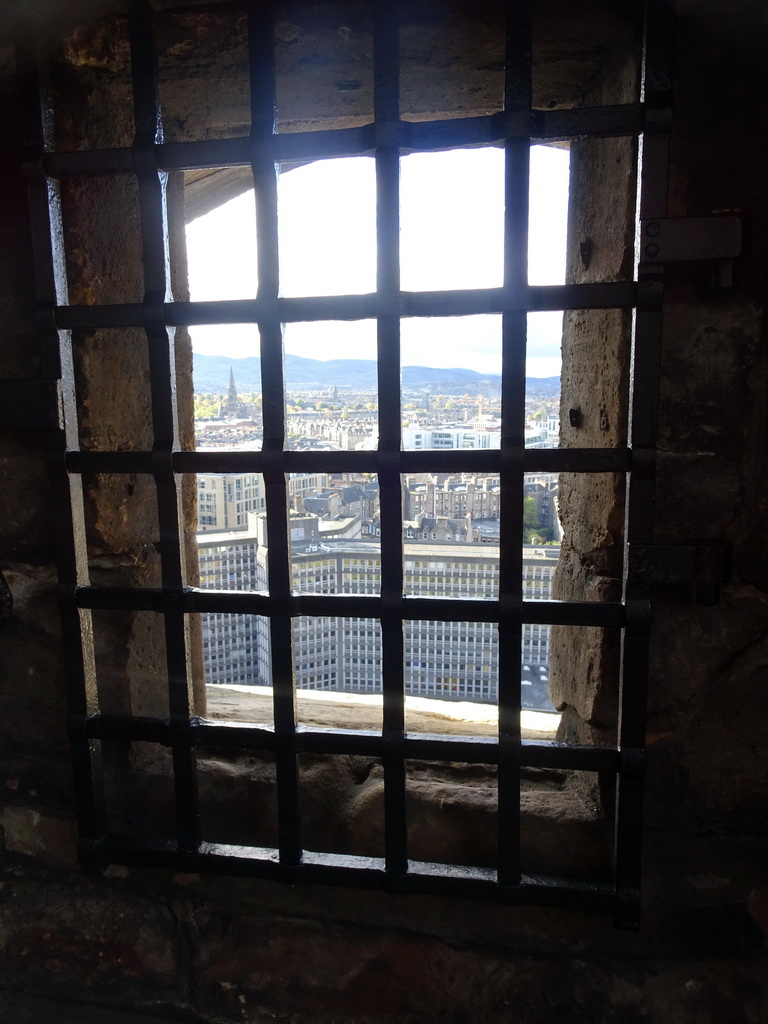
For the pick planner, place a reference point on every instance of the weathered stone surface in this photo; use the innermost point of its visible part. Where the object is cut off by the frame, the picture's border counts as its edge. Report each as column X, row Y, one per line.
column 29, row 1008
column 305, row 974
column 451, row 809
column 32, row 695
column 76, row 941
column 596, row 351
column 363, row 711
column 51, row 841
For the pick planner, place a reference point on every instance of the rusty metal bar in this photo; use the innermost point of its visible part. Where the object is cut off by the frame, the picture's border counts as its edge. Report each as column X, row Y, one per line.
column 162, row 370
column 386, row 66
column 261, row 50
column 638, row 529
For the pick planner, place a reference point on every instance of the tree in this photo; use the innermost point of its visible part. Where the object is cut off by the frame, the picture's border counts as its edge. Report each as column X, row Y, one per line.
column 206, row 406
column 531, row 528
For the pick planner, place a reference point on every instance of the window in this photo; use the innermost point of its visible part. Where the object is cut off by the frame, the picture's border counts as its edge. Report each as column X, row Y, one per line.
column 151, row 467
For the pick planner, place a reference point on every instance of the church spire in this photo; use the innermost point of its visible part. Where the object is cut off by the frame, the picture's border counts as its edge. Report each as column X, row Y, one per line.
column 232, row 402
column 231, row 392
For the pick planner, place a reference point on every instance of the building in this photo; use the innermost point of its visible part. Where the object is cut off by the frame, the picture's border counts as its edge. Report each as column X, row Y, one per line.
column 439, row 528
column 228, row 562
column 225, row 499
column 233, row 408
column 440, row 438
column 351, row 499
column 455, row 496
column 304, row 485
column 451, row 661
column 543, row 488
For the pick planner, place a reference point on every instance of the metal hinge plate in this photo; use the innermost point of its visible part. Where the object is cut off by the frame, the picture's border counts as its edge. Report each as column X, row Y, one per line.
column 691, row 238
column 703, row 566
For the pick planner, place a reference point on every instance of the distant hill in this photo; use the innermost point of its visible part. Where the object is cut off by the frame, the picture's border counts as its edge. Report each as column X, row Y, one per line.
column 212, row 375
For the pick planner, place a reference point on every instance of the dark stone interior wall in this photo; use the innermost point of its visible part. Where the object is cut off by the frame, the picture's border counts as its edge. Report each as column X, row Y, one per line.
column 209, row 949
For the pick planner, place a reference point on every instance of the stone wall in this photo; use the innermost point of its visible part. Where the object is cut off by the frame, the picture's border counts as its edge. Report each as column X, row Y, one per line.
column 210, row 949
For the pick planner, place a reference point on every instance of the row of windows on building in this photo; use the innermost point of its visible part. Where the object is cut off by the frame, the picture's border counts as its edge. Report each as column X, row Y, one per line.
column 443, row 659
column 225, row 499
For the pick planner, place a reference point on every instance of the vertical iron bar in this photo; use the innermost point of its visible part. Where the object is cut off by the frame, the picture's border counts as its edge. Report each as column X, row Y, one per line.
column 262, row 82
column 66, row 491
column 162, row 371
column 646, row 351
column 517, row 96
column 517, row 55
column 386, row 115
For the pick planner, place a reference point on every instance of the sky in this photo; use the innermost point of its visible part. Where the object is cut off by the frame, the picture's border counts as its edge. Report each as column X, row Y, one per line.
column 451, row 237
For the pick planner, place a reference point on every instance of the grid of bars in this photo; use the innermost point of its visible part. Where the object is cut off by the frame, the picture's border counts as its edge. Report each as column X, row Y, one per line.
column 149, row 159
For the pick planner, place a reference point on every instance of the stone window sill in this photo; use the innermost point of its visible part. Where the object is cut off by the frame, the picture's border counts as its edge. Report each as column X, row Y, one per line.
column 451, row 807
column 363, row 711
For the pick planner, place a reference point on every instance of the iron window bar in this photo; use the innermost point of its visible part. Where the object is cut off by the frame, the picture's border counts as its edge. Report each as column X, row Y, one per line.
column 410, row 136
column 527, row 298
column 149, row 160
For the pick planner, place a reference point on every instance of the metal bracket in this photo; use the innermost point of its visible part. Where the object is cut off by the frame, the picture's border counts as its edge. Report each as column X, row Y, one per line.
column 30, row 404
column 691, row 238
column 703, row 566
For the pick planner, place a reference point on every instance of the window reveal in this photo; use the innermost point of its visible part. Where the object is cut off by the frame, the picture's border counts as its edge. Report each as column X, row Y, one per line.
column 157, row 464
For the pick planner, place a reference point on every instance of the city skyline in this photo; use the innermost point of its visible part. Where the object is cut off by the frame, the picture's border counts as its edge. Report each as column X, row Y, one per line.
column 328, row 247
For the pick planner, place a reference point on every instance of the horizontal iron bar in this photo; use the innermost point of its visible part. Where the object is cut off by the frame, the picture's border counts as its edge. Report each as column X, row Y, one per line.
column 252, row 462
column 422, row 609
column 345, row 870
column 605, row 122
column 704, row 565
column 533, row 753
column 291, row 147
column 105, row 727
column 461, row 302
column 534, row 460
column 29, row 404
column 316, row 740
column 575, row 613
column 111, row 462
column 577, row 460
column 90, row 318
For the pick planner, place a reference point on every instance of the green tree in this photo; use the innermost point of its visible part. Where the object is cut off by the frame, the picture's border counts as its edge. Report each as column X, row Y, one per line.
column 206, row 406
column 531, row 528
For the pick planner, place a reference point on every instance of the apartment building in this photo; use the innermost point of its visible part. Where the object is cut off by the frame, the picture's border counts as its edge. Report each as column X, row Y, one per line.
column 457, row 660
column 231, row 641
column 418, row 437
column 225, row 499
column 453, row 497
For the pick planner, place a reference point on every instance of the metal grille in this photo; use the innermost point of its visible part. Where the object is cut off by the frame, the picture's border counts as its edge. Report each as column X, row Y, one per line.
column 149, row 159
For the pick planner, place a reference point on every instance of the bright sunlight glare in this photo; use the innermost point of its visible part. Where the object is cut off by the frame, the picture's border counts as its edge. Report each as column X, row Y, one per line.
column 451, row 229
